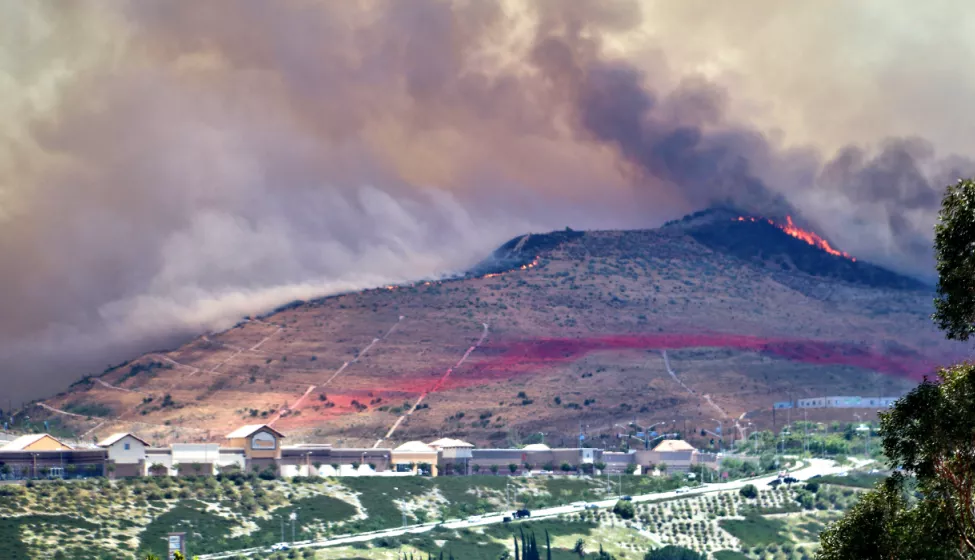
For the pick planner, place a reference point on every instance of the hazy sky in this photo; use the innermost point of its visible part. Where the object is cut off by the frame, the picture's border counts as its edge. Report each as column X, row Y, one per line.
column 169, row 166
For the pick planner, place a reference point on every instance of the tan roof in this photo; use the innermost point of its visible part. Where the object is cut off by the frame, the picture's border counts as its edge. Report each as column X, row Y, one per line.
column 23, row 442
column 115, row 438
column 245, row 431
column 537, row 447
column 415, row 446
column 449, row 442
column 674, row 445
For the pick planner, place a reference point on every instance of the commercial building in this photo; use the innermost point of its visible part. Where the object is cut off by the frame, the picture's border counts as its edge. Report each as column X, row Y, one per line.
column 259, row 447
column 44, row 456
column 127, row 452
column 416, row 457
column 842, row 402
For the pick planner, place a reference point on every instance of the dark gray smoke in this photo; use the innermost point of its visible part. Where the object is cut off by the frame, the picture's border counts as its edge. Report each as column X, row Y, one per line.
column 168, row 167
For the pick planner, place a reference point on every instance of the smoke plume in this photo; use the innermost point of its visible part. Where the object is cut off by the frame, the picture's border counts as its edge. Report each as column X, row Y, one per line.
column 167, row 167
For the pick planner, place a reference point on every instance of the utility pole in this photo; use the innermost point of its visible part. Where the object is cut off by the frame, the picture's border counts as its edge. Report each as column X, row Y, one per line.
column 805, row 430
column 294, row 517
column 507, row 494
column 282, row 529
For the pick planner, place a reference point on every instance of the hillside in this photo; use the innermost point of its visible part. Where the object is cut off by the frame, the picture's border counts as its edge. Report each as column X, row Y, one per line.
column 551, row 333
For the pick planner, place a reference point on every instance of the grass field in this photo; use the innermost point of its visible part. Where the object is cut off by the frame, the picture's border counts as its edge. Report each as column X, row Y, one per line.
column 122, row 518
column 755, row 530
column 854, row 480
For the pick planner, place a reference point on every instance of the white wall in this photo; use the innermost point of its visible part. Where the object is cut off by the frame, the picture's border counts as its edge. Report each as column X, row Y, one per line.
column 164, row 459
column 327, row 470
column 135, row 453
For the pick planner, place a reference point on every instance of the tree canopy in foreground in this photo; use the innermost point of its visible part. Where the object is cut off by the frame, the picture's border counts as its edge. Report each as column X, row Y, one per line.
column 930, row 433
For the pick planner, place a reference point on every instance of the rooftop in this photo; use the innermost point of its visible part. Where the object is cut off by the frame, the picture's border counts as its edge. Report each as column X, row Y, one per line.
column 115, row 438
column 250, row 429
column 415, row 446
column 449, row 442
column 674, row 445
column 26, row 441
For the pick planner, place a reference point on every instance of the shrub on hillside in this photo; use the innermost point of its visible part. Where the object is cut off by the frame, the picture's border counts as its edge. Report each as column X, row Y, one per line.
column 624, row 509
column 749, row 491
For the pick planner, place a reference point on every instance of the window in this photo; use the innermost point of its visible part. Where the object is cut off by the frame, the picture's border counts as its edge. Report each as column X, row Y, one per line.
column 264, row 441
column 126, row 446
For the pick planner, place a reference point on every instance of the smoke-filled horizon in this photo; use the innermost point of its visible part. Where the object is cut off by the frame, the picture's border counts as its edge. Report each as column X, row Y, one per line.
column 169, row 167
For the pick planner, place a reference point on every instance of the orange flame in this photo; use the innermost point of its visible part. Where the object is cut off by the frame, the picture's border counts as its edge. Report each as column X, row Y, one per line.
column 808, row 236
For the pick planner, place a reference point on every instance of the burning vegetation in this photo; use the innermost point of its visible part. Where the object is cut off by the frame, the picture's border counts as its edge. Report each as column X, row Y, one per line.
column 808, row 236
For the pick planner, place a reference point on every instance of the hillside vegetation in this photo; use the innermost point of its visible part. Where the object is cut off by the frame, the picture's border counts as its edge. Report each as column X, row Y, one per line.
column 577, row 322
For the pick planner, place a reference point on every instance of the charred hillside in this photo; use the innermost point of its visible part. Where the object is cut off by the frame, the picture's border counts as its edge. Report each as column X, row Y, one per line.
column 522, row 251
column 782, row 246
column 776, row 244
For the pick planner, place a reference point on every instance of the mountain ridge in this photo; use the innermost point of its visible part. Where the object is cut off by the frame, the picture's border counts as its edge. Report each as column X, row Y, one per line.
column 562, row 314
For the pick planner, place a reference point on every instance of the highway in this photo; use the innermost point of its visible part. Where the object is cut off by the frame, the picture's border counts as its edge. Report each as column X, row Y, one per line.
column 813, row 468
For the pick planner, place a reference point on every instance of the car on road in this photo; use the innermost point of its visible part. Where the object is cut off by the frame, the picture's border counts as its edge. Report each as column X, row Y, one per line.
column 592, row 506
column 522, row 513
column 682, row 490
column 775, row 483
column 627, row 498
column 790, row 480
column 280, row 546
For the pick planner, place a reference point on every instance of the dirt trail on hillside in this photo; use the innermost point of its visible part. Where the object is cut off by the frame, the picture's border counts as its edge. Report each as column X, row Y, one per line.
column 297, row 404
column 435, row 388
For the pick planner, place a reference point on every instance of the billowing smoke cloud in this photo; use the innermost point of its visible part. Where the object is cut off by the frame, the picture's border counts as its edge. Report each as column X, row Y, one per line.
column 167, row 167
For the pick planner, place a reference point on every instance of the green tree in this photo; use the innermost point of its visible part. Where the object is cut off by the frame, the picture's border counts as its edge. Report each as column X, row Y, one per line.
column 884, row 525
column 603, row 555
column 513, row 468
column 671, row 552
column 954, row 238
column 624, row 509
column 928, row 433
column 580, row 549
column 749, row 491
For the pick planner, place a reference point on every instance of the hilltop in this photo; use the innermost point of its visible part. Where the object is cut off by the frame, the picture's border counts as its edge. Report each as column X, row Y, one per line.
column 712, row 316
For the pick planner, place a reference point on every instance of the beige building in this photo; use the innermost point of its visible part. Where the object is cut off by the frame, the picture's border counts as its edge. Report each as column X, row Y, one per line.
column 455, row 455
column 260, row 443
column 677, row 454
column 411, row 455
